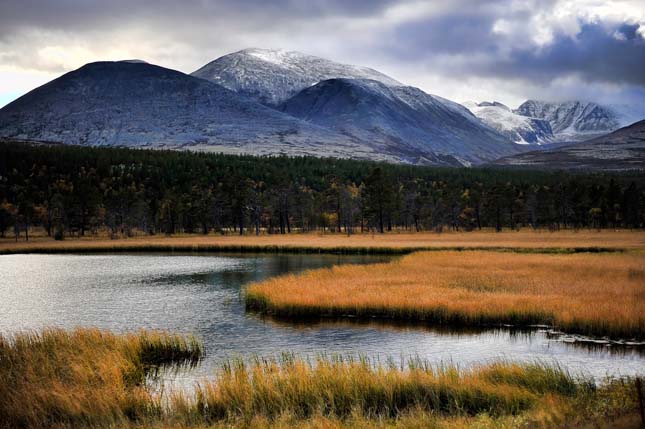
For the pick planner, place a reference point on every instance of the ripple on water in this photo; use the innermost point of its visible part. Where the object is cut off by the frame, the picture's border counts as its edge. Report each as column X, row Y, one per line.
column 201, row 294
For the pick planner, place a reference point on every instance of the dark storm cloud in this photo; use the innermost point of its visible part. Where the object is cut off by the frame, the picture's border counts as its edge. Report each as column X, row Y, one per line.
column 70, row 15
column 598, row 53
column 467, row 44
column 497, row 41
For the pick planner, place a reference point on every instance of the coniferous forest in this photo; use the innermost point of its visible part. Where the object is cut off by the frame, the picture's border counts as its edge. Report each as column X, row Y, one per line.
column 80, row 191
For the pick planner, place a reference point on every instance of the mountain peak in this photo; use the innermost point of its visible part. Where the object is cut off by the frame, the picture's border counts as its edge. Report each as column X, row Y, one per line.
column 573, row 119
column 116, row 103
column 133, row 61
column 493, row 104
column 398, row 118
column 520, row 129
column 271, row 76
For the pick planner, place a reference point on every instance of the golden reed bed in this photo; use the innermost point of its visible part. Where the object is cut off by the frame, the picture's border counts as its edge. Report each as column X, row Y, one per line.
column 592, row 294
column 89, row 378
column 393, row 242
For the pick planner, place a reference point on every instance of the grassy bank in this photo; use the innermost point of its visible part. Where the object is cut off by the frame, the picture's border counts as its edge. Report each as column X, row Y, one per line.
column 391, row 243
column 88, row 378
column 591, row 294
column 85, row 377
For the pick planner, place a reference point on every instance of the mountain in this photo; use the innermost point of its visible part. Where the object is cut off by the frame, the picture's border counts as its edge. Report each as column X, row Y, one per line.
column 271, row 76
column 137, row 104
column 519, row 129
column 623, row 149
column 572, row 120
column 398, row 118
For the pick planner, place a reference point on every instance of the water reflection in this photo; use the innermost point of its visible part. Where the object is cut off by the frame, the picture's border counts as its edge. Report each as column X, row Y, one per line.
column 201, row 294
column 514, row 334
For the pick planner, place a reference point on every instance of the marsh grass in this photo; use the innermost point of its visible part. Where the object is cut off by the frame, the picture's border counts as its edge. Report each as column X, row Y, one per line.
column 340, row 387
column 90, row 378
column 390, row 244
column 85, row 377
column 589, row 294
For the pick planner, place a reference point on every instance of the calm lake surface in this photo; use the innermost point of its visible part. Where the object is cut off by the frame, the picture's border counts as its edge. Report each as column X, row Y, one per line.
column 202, row 294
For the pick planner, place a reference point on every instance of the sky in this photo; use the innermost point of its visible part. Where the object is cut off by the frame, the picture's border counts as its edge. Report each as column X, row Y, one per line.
column 464, row 50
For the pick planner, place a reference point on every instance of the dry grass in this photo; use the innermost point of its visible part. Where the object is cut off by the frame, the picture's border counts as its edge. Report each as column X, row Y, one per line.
column 593, row 294
column 89, row 378
column 338, row 389
column 366, row 243
column 83, row 378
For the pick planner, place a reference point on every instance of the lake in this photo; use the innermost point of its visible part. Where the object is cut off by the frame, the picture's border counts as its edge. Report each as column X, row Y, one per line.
column 203, row 294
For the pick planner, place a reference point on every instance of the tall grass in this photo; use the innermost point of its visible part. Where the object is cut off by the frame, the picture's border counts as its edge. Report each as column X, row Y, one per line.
column 591, row 294
column 391, row 243
column 90, row 378
column 85, row 377
column 339, row 387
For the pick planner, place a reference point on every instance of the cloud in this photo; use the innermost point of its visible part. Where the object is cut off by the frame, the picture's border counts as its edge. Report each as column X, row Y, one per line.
column 510, row 48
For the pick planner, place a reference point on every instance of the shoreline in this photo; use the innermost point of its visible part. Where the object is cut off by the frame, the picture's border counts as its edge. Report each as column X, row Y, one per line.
column 393, row 243
column 567, row 292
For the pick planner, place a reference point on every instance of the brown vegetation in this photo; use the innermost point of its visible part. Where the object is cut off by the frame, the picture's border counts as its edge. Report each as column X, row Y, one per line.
column 591, row 294
column 89, row 378
column 542, row 240
column 85, row 377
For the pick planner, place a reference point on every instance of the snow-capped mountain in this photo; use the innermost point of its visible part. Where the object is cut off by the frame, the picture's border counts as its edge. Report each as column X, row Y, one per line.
column 623, row 149
column 142, row 105
column 138, row 104
column 271, row 76
column 572, row 120
column 398, row 118
column 519, row 129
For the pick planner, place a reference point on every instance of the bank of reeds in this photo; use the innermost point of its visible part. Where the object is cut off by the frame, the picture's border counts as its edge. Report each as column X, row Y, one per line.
column 391, row 243
column 339, row 387
column 85, row 377
column 597, row 295
column 89, row 378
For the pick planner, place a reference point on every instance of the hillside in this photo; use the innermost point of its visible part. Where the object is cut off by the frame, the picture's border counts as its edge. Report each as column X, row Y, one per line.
column 271, row 76
column 623, row 149
column 401, row 118
column 136, row 104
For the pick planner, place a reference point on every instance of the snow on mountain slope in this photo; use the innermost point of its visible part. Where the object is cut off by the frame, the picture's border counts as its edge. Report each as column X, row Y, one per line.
column 143, row 105
column 623, row 149
column 520, row 129
column 572, row 120
column 398, row 118
column 272, row 76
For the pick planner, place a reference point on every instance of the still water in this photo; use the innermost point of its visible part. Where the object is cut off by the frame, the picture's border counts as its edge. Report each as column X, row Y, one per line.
column 203, row 294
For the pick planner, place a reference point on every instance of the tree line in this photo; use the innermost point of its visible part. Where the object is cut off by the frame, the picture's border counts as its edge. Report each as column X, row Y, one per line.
column 76, row 191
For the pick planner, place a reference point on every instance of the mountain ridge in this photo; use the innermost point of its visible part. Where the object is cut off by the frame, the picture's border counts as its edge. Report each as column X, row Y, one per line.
column 623, row 149
column 520, row 129
column 572, row 120
column 402, row 116
column 144, row 105
column 270, row 76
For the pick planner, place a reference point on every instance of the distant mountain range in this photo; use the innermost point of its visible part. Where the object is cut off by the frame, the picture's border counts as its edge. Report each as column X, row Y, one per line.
column 621, row 150
column 136, row 104
column 518, row 128
column 573, row 120
column 268, row 102
column 539, row 122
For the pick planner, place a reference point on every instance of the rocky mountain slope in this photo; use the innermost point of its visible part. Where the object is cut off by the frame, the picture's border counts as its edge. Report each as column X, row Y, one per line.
column 271, row 76
column 398, row 118
column 142, row 105
column 519, row 129
column 572, row 120
column 620, row 150
column 132, row 103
